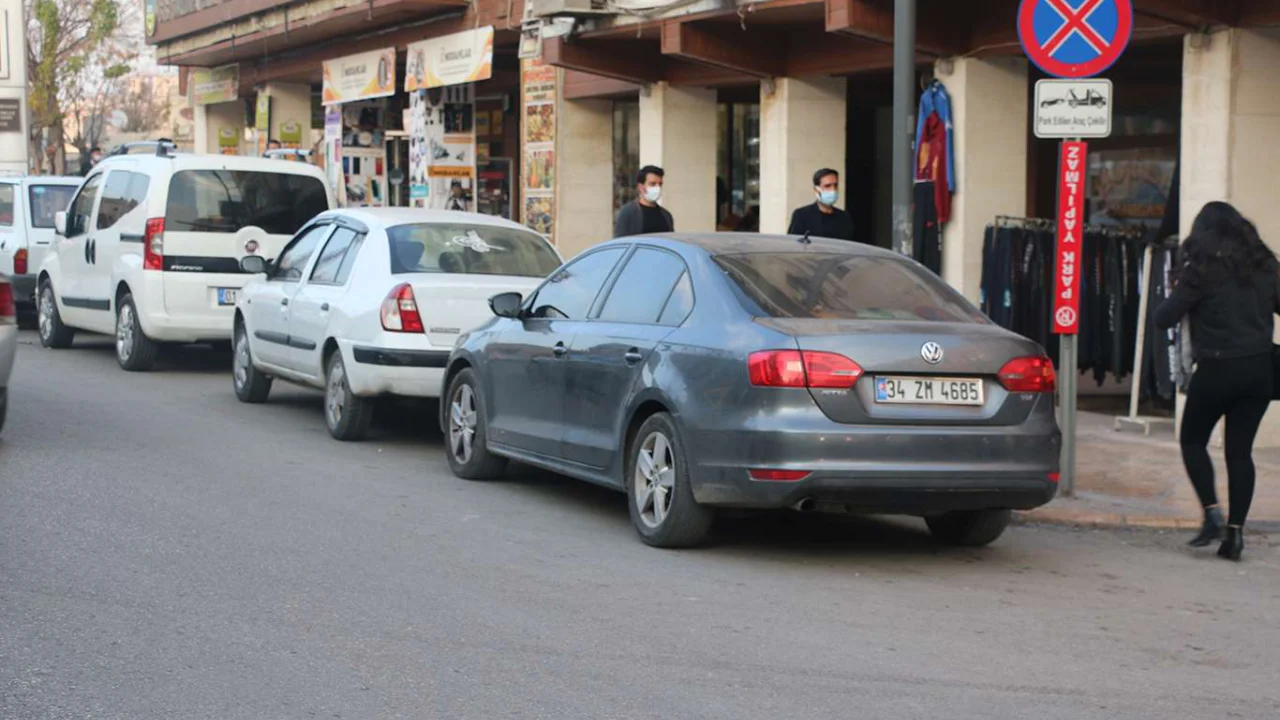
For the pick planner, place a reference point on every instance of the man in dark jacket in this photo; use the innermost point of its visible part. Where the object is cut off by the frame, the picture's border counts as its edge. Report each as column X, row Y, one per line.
column 823, row 218
column 644, row 215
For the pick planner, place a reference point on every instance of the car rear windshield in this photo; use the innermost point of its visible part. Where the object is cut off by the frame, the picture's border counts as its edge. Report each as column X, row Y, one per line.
column 224, row 201
column 47, row 201
column 469, row 250
column 843, row 287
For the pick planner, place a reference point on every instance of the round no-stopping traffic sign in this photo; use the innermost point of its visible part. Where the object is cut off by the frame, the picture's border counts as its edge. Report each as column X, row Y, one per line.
column 1075, row 38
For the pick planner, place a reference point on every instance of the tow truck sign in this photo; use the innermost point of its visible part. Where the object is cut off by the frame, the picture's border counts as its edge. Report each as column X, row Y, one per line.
column 1073, row 108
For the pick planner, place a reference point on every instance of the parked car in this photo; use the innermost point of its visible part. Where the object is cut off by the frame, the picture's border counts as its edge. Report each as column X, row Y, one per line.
column 369, row 302
column 27, row 209
column 747, row 371
column 8, row 342
column 149, row 249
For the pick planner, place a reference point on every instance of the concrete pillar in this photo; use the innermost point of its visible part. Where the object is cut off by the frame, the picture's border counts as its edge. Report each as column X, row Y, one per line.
column 678, row 134
column 802, row 129
column 989, row 110
column 200, row 133
column 1230, row 109
column 221, row 117
column 290, row 105
column 584, row 175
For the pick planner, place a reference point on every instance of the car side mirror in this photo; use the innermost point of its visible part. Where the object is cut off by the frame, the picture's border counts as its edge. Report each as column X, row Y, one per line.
column 60, row 222
column 506, row 305
column 254, row 264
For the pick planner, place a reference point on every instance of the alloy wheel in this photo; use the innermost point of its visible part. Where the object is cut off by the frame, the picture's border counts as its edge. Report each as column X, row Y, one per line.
column 655, row 479
column 46, row 314
column 462, row 424
column 335, row 394
column 242, row 360
column 124, row 332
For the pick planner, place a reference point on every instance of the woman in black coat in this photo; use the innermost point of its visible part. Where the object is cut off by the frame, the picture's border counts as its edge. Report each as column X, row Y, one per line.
column 1228, row 287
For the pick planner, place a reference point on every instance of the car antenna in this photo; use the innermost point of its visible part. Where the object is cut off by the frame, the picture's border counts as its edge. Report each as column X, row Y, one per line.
column 805, row 238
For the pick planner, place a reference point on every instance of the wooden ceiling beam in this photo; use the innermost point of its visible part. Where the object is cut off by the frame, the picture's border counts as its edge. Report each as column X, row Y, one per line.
column 746, row 52
column 873, row 20
column 626, row 60
column 1191, row 13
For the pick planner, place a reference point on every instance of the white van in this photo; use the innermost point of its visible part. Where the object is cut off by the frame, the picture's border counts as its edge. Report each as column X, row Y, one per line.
column 27, row 209
column 150, row 247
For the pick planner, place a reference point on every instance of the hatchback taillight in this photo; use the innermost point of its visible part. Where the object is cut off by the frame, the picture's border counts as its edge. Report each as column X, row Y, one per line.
column 20, row 262
column 796, row 368
column 8, row 311
column 153, row 245
column 400, row 311
column 1028, row 374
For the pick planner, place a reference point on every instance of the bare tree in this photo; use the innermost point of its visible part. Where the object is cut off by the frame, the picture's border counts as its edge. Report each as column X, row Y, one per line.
column 145, row 108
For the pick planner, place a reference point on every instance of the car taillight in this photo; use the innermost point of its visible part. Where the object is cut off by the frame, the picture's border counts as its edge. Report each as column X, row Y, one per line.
column 400, row 311
column 153, row 245
column 1028, row 374
column 20, row 262
column 8, row 312
column 795, row 368
column 764, row 475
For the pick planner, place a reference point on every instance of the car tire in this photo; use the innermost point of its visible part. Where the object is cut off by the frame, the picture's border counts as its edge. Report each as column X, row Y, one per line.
column 466, row 431
column 251, row 385
column 346, row 414
column 971, row 528
column 659, row 490
column 135, row 352
column 53, row 334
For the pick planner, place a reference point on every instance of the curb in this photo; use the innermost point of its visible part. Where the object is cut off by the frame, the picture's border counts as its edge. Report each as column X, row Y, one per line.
column 1113, row 521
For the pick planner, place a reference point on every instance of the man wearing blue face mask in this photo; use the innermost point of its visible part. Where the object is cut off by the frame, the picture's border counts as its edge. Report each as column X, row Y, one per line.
column 823, row 218
column 644, row 216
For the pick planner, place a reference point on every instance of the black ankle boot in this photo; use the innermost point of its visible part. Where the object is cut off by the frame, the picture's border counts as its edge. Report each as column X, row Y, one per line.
column 1212, row 529
column 1233, row 546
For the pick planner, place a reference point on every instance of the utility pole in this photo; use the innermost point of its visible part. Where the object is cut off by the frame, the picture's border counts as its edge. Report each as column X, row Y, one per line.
column 904, row 120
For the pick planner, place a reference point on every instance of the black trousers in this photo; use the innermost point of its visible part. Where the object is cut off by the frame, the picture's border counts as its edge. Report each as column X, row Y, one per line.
column 1240, row 391
column 926, row 231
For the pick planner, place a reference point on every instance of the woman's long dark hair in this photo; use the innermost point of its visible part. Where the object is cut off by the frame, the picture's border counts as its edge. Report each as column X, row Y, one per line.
column 1221, row 234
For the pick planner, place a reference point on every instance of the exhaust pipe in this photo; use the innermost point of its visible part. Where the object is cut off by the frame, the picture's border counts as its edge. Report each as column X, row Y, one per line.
column 805, row 505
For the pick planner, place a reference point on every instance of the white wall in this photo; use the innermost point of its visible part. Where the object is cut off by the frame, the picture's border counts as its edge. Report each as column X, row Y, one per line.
column 13, row 84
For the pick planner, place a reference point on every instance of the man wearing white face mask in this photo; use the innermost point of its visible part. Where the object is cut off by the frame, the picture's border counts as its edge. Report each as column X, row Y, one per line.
column 823, row 218
column 644, row 216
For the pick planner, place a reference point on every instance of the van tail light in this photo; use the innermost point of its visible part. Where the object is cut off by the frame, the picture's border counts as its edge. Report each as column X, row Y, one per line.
column 20, row 262
column 153, row 245
column 400, row 311
column 796, row 368
column 1028, row 375
column 8, row 311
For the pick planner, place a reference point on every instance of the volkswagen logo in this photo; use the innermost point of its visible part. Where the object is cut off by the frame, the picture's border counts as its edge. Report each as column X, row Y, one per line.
column 931, row 352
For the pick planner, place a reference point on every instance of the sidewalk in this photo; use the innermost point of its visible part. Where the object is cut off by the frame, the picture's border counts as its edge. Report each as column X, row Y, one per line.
column 1126, row 479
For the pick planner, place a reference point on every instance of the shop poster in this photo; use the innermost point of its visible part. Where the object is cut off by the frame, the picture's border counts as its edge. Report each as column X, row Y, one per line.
column 217, row 85
column 442, row 148
column 1130, row 187
column 360, row 77
column 538, row 143
column 333, row 152
column 464, row 57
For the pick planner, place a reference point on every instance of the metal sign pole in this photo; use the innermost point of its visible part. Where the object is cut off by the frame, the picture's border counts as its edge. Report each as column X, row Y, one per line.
column 1070, row 377
column 1073, row 172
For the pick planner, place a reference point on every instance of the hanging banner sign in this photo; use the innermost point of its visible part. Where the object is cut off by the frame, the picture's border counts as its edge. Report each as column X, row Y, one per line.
column 360, row 77
column 262, row 113
column 217, row 85
column 1073, row 167
column 450, row 60
column 1075, row 38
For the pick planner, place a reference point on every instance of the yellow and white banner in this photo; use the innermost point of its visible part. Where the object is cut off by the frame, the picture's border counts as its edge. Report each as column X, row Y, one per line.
column 450, row 60
column 360, row 77
column 217, row 85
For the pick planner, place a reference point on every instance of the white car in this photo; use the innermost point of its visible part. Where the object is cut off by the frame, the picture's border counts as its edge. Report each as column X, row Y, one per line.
column 370, row 302
column 27, row 209
column 8, row 342
column 150, row 247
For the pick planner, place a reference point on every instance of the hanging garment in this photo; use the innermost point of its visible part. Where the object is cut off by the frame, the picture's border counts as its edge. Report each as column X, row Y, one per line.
column 936, row 100
column 926, row 243
column 932, row 165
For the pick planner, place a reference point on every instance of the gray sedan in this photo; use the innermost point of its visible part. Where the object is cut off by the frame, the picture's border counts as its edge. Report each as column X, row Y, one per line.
column 711, row 371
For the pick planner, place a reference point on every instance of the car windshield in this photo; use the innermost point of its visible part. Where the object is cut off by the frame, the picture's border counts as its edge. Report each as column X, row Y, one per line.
column 47, row 201
column 843, row 287
column 224, row 201
column 466, row 249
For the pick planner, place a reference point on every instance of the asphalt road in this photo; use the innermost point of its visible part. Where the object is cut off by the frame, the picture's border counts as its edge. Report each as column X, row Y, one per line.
column 166, row 552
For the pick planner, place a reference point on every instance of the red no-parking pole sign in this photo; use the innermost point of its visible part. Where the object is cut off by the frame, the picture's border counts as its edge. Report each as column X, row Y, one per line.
column 1072, row 167
column 1075, row 38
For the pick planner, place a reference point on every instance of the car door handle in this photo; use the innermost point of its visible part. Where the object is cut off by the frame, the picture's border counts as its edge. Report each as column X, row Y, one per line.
column 560, row 350
column 633, row 356
column 324, row 307
column 284, row 301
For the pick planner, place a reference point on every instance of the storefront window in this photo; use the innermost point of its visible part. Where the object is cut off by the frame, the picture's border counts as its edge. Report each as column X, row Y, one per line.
column 626, row 151
column 738, row 176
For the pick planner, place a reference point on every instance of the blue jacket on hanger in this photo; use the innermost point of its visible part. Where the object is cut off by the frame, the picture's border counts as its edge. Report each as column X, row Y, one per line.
column 936, row 99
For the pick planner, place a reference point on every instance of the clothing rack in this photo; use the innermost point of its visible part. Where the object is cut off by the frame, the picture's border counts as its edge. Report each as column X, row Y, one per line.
column 1133, row 419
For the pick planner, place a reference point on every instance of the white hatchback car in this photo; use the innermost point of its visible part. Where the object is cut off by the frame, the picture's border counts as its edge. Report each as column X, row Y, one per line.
column 370, row 302
column 27, row 209
column 150, row 247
